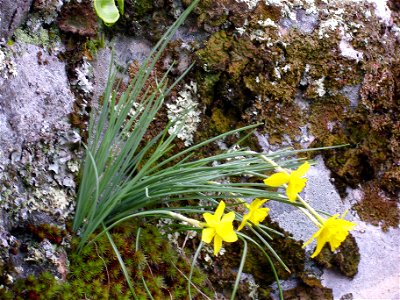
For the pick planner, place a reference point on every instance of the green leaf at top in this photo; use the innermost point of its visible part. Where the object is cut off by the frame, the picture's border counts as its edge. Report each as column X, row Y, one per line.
column 107, row 11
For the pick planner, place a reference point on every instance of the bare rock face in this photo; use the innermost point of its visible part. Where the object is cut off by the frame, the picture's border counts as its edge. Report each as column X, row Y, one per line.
column 34, row 101
column 12, row 14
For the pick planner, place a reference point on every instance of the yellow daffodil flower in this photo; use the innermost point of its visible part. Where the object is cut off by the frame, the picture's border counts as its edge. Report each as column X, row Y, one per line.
column 333, row 231
column 295, row 182
column 219, row 227
column 255, row 214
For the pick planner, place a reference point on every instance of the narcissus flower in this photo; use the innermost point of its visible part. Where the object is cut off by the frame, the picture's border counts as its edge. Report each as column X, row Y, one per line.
column 333, row 231
column 295, row 182
column 219, row 228
column 255, row 214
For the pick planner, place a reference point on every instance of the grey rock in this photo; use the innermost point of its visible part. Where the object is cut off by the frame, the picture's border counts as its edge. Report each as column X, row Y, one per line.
column 33, row 103
column 304, row 22
column 12, row 14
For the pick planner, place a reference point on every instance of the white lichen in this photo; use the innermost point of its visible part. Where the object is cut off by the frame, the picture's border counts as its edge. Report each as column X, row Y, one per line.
column 320, row 87
column 184, row 114
column 73, row 166
column 267, row 22
column 84, row 75
column 7, row 65
column 54, row 202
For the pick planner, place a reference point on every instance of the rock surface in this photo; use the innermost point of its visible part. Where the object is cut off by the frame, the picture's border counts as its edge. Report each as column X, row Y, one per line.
column 12, row 14
column 316, row 73
column 34, row 101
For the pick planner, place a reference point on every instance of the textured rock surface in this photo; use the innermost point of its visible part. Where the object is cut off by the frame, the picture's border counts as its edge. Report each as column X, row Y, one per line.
column 34, row 101
column 36, row 162
column 316, row 73
column 12, row 14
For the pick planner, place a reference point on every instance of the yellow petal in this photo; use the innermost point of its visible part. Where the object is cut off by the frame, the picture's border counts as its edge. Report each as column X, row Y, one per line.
column 259, row 215
column 220, row 210
column 320, row 245
column 302, row 170
column 211, row 220
column 217, row 244
column 257, row 203
column 294, row 187
column 339, row 232
column 277, row 179
column 229, row 217
column 224, row 229
column 244, row 221
column 291, row 193
column 230, row 237
column 334, row 231
column 207, row 235
column 315, row 235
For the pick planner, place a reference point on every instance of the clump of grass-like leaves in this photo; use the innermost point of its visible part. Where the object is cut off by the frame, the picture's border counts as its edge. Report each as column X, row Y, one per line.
column 122, row 178
column 119, row 177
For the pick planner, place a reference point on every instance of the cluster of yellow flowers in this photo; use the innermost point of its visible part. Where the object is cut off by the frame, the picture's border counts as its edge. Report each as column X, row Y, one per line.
column 219, row 227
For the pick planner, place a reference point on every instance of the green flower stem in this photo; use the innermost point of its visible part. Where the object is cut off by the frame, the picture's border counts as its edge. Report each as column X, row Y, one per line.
column 314, row 215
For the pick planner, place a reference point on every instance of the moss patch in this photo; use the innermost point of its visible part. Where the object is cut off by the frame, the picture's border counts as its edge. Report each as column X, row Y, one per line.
column 95, row 272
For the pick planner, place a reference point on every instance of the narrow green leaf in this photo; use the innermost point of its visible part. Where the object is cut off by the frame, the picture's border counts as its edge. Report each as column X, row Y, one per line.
column 196, row 255
column 122, row 264
column 240, row 270
column 141, row 273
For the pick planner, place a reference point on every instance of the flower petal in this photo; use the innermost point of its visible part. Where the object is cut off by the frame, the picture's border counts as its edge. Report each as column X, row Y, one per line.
column 291, row 193
column 211, row 220
column 333, row 231
column 224, row 229
column 229, row 217
column 226, row 232
column 294, row 187
column 257, row 203
column 220, row 210
column 302, row 170
column 244, row 221
column 320, row 244
column 207, row 235
column 277, row 179
column 259, row 215
column 230, row 237
column 217, row 244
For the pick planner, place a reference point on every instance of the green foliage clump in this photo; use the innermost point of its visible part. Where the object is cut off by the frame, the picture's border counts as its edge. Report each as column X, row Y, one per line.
column 96, row 274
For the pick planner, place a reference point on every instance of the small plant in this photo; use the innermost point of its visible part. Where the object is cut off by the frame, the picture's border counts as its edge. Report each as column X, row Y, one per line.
column 123, row 178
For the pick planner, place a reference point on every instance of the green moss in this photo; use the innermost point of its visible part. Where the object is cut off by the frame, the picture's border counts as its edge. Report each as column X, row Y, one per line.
column 95, row 272
column 140, row 7
column 43, row 37
column 220, row 121
column 206, row 83
column 215, row 56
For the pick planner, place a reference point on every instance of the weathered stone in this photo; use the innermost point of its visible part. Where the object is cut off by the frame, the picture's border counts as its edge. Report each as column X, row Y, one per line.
column 34, row 101
column 12, row 14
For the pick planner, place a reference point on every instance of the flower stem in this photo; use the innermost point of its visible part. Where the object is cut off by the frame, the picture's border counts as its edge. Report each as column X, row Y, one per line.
column 180, row 217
